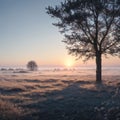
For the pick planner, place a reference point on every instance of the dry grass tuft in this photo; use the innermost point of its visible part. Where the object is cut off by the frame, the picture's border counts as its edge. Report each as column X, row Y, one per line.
column 8, row 111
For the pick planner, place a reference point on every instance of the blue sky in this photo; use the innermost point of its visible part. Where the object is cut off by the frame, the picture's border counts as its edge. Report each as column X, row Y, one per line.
column 27, row 33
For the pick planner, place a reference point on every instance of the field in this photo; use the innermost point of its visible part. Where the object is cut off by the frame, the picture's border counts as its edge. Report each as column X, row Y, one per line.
column 59, row 95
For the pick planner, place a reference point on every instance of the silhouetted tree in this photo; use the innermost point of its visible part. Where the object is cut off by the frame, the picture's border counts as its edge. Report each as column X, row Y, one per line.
column 31, row 65
column 91, row 28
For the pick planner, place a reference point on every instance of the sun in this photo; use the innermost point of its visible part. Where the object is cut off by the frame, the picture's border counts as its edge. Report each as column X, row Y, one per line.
column 69, row 63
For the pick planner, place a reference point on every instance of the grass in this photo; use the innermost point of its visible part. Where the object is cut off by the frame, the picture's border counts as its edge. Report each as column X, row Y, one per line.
column 8, row 111
column 30, row 96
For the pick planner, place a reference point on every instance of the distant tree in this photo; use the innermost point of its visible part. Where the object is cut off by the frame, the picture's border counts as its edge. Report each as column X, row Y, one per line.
column 91, row 28
column 32, row 66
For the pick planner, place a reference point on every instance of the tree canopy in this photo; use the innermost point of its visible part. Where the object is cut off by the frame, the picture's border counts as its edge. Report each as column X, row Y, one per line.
column 91, row 27
column 32, row 66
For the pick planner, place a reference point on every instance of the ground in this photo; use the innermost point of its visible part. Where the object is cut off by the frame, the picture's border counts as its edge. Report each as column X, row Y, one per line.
column 58, row 95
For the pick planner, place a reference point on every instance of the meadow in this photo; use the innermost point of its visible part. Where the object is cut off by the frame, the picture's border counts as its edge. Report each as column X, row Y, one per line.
column 59, row 94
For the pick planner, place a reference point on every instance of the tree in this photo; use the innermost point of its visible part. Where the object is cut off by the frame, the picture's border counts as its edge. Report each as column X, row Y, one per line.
column 91, row 28
column 32, row 66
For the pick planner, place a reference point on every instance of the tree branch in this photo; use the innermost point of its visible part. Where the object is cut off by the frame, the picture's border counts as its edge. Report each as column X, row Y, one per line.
column 109, row 46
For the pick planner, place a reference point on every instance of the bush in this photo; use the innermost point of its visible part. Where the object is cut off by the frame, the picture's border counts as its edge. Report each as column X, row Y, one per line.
column 32, row 66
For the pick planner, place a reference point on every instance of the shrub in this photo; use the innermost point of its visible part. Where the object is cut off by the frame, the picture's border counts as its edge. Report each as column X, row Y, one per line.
column 32, row 66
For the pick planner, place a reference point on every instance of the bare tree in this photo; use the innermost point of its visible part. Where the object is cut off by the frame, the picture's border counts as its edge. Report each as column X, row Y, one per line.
column 32, row 66
column 91, row 28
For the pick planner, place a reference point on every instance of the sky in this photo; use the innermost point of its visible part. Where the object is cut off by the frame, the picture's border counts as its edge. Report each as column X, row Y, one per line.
column 27, row 33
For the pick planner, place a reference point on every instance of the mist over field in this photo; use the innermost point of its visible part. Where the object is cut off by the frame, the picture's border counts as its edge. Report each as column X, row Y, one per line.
column 58, row 93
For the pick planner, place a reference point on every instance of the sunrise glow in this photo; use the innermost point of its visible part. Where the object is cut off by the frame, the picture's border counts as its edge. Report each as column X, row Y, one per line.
column 69, row 63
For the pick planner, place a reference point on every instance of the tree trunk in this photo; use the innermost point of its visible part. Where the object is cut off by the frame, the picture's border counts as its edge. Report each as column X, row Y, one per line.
column 98, row 68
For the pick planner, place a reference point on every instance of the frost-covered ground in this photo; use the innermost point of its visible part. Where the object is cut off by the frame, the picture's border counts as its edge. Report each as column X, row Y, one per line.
column 59, row 94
